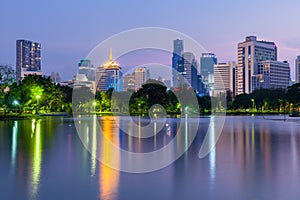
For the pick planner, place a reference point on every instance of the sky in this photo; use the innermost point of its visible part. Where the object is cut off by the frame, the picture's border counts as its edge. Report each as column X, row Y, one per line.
column 69, row 30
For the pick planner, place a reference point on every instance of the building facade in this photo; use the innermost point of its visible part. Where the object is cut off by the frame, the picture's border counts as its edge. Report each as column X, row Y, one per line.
column 141, row 75
column 128, row 82
column 190, row 72
column 297, row 70
column 274, row 75
column 28, row 59
column 177, row 61
column 250, row 53
column 109, row 75
column 85, row 67
column 224, row 77
column 207, row 62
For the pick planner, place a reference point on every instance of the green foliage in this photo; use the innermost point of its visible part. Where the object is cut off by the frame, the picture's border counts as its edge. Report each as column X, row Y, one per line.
column 204, row 103
column 242, row 101
column 36, row 93
column 152, row 92
column 293, row 96
column 83, row 100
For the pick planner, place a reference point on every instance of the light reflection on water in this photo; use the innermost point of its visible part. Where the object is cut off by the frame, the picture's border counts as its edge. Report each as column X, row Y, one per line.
column 254, row 159
column 109, row 178
column 14, row 146
column 36, row 158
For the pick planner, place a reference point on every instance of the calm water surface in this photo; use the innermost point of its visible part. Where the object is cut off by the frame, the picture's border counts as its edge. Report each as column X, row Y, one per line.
column 255, row 158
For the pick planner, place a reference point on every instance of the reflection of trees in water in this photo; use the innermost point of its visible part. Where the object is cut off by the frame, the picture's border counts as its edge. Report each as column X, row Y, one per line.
column 28, row 140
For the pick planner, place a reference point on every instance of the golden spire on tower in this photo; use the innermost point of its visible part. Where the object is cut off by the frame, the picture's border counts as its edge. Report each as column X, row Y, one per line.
column 110, row 55
column 111, row 64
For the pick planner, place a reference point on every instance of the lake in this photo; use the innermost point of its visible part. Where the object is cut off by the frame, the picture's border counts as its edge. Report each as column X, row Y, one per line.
column 256, row 157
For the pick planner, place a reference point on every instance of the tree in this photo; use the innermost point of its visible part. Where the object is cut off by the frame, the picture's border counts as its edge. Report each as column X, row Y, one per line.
column 242, row 101
column 83, row 101
column 293, row 96
column 204, row 103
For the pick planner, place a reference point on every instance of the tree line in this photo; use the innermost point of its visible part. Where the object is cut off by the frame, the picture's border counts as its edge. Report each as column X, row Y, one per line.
column 37, row 93
column 268, row 100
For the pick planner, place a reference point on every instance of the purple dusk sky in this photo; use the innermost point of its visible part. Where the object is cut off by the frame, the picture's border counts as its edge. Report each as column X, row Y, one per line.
column 69, row 30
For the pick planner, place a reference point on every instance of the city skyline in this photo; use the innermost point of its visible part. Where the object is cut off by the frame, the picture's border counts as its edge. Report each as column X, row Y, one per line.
column 64, row 43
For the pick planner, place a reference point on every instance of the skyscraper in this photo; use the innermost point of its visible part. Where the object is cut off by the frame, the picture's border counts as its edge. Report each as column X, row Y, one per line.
column 108, row 75
column 177, row 60
column 190, row 69
column 141, row 75
column 207, row 62
column 297, row 70
column 28, row 58
column 85, row 76
column 128, row 82
column 85, row 67
column 250, row 53
column 224, row 76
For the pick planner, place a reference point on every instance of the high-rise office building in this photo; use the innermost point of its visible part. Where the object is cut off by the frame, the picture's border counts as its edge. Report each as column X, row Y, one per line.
column 128, row 82
column 274, row 74
column 207, row 62
column 108, row 76
column 224, row 77
column 177, row 61
column 202, row 87
column 190, row 69
column 85, row 67
column 141, row 75
column 250, row 53
column 101, row 79
column 297, row 70
column 85, row 76
column 28, row 58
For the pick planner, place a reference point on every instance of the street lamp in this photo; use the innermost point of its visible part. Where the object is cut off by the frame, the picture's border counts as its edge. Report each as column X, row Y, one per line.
column 139, row 108
column 252, row 105
column 16, row 103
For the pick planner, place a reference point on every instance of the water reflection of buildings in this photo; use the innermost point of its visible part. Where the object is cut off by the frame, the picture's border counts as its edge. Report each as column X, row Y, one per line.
column 212, row 156
column 250, row 153
column 109, row 178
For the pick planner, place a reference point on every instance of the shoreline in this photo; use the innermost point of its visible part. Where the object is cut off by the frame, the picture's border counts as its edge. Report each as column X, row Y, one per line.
column 14, row 116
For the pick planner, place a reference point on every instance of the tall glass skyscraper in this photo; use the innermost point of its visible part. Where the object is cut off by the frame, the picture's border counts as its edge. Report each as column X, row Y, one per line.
column 207, row 62
column 177, row 60
column 85, row 67
column 28, row 58
column 190, row 69
column 297, row 70
column 108, row 76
